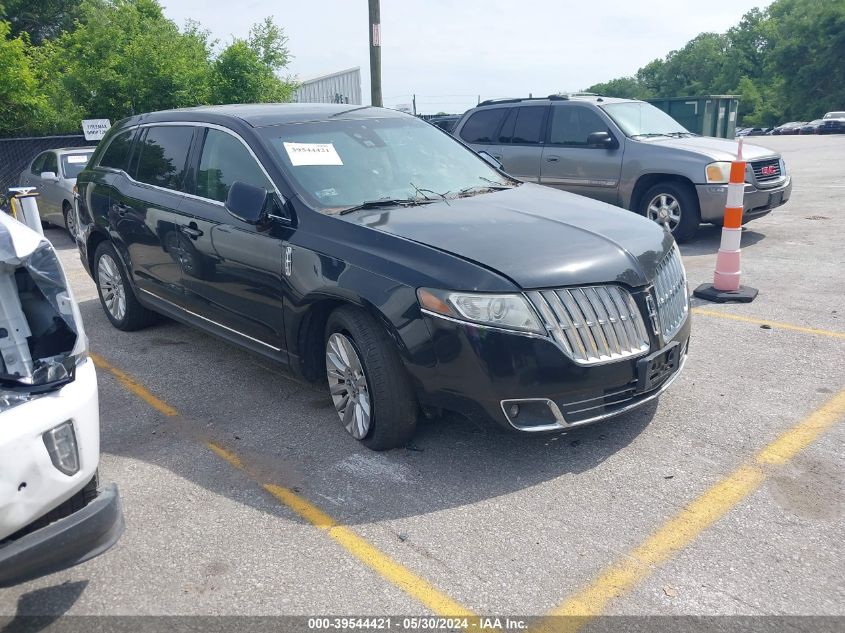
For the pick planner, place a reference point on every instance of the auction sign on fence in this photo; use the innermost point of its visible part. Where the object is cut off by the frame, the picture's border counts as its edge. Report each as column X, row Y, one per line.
column 95, row 129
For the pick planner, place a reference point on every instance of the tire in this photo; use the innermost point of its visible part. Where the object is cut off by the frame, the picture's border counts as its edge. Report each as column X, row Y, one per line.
column 116, row 293
column 70, row 220
column 687, row 209
column 388, row 393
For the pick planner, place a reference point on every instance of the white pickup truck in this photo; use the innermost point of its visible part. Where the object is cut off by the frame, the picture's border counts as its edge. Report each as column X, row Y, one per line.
column 52, row 512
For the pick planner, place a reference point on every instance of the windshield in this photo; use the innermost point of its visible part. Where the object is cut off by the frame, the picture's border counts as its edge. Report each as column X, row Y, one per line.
column 73, row 164
column 637, row 118
column 345, row 163
column 835, row 115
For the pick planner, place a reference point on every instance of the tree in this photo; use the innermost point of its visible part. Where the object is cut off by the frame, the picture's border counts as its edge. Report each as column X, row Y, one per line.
column 623, row 87
column 807, row 50
column 23, row 108
column 785, row 62
column 40, row 19
column 123, row 58
column 245, row 71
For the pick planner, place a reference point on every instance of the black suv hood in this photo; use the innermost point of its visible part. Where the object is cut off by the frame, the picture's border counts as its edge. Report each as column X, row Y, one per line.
column 537, row 236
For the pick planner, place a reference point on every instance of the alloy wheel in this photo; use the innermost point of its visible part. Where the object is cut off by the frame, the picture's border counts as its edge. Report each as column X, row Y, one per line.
column 70, row 223
column 348, row 385
column 111, row 287
column 665, row 210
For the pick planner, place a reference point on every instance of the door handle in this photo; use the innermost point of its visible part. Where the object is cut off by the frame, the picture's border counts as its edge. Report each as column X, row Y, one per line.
column 191, row 231
column 552, row 159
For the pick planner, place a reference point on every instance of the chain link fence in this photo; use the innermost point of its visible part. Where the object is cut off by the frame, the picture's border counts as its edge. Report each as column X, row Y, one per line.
column 17, row 153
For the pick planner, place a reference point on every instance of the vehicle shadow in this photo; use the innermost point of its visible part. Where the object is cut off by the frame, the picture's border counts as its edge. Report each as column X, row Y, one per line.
column 287, row 432
column 39, row 609
column 706, row 241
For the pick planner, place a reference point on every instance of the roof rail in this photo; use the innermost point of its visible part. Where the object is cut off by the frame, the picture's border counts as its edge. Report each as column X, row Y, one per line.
column 520, row 99
column 504, row 100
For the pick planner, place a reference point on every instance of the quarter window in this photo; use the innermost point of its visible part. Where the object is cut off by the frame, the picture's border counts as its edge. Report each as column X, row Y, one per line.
column 571, row 125
column 118, row 151
column 225, row 160
column 482, row 125
column 164, row 155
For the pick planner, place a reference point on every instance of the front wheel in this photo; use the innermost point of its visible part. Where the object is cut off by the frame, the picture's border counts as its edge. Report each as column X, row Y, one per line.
column 675, row 207
column 367, row 381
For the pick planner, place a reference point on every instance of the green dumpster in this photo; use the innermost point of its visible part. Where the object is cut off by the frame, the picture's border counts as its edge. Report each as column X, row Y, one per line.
column 708, row 115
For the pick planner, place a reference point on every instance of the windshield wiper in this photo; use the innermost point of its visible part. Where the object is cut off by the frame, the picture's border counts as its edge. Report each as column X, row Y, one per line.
column 386, row 202
column 492, row 186
column 422, row 192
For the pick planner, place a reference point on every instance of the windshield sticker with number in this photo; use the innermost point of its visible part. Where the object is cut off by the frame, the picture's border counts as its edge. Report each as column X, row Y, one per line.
column 312, row 154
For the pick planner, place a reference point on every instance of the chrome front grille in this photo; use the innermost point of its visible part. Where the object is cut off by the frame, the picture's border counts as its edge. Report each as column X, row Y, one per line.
column 766, row 170
column 592, row 324
column 670, row 291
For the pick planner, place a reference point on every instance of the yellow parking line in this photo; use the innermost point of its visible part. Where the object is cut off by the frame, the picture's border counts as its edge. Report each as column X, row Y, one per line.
column 132, row 385
column 381, row 563
column 373, row 558
column 685, row 527
column 774, row 324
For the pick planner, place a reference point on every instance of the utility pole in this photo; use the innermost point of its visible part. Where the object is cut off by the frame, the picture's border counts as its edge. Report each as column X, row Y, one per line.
column 375, row 53
column 415, row 104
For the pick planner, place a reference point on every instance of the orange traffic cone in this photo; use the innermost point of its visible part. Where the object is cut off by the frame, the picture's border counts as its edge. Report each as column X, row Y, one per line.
column 725, row 286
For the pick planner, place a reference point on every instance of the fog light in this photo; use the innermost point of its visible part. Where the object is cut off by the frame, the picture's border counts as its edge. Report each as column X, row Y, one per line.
column 61, row 445
column 513, row 410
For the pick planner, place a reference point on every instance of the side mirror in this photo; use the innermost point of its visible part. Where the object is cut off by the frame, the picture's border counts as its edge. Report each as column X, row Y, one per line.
column 49, row 175
column 601, row 139
column 492, row 160
column 246, row 202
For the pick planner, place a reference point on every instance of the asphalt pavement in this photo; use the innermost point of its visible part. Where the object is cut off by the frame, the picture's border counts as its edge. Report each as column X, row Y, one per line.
column 243, row 495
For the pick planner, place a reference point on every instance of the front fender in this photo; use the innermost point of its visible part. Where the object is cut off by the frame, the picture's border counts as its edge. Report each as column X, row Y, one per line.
column 321, row 283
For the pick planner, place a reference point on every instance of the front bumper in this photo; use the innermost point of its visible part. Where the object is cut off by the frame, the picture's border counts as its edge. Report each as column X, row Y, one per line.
column 30, row 486
column 69, row 541
column 480, row 371
column 45, row 523
column 756, row 203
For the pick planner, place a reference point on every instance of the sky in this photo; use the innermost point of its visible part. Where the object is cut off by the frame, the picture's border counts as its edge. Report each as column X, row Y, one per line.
column 450, row 53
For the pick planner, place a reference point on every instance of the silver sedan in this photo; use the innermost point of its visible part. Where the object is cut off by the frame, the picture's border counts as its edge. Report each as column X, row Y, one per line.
column 53, row 174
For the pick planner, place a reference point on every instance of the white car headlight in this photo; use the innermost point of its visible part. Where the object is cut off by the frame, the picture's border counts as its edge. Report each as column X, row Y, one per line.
column 718, row 173
column 507, row 311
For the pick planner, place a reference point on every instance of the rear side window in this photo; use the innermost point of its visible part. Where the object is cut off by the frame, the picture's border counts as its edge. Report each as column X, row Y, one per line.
column 117, row 152
column 526, row 128
column 225, row 160
column 482, row 125
column 571, row 125
column 164, row 155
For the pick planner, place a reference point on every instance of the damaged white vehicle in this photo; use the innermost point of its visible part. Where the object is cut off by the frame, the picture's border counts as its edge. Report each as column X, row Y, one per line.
column 52, row 513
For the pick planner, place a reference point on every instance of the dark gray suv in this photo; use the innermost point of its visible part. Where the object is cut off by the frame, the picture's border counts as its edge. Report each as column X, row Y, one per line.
column 625, row 152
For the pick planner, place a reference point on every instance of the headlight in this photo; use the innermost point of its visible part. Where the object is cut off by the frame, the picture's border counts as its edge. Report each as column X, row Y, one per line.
column 507, row 311
column 718, row 173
